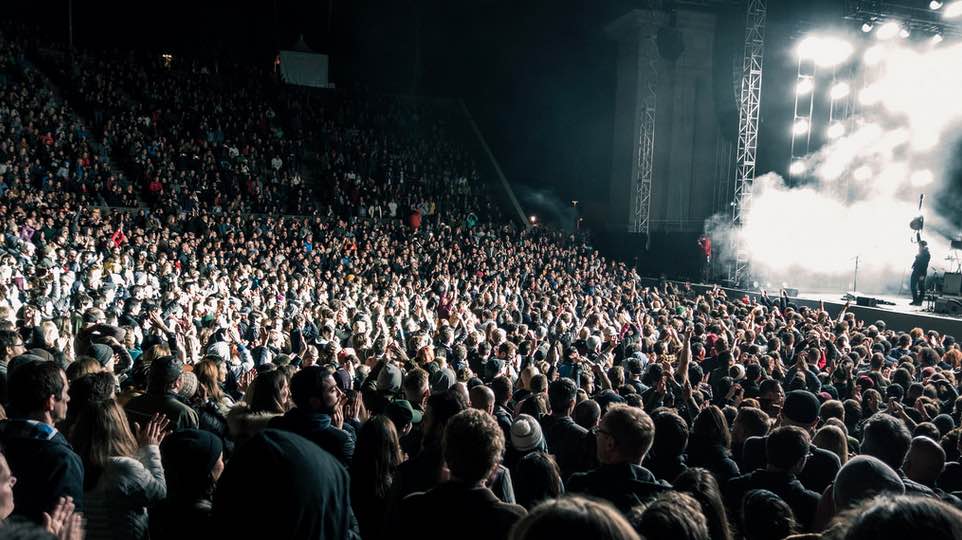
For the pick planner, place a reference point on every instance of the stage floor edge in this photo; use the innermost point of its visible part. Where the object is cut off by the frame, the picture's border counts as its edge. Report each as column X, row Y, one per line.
column 901, row 316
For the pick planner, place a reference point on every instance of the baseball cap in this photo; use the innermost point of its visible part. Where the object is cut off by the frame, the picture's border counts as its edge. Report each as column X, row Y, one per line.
column 401, row 412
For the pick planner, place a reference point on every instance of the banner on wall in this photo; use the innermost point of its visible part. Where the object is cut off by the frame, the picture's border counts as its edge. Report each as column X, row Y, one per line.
column 304, row 68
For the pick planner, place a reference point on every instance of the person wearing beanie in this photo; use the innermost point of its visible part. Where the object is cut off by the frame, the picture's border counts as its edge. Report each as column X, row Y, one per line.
column 389, row 379
column 188, row 386
column 526, row 437
column 800, row 409
column 163, row 384
column 102, row 353
column 193, row 462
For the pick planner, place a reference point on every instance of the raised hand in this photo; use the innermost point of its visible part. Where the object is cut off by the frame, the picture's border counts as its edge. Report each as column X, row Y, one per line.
column 153, row 432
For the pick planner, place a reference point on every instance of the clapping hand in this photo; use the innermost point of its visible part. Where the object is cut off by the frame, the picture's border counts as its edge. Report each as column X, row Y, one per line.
column 63, row 522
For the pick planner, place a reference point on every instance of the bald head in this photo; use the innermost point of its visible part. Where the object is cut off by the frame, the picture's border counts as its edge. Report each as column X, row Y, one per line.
column 924, row 461
column 482, row 398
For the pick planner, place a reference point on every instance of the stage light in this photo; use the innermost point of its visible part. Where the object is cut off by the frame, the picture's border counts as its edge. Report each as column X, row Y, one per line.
column 867, row 27
column 862, row 173
column 836, row 130
column 796, row 168
column 952, row 10
column 840, row 90
column 905, row 33
column 888, row 30
column 936, row 39
column 921, row 178
column 934, row 5
column 800, row 127
column 534, row 219
column 804, row 86
column 825, row 51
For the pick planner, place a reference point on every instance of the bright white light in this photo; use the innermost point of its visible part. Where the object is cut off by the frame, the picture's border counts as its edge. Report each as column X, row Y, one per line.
column 888, row 30
column 867, row 27
column 870, row 96
column 904, row 33
column 836, row 130
column 934, row 5
column 921, row 178
column 936, row 39
column 796, row 168
column 862, row 173
column 840, row 90
column 804, row 86
column 873, row 55
column 952, row 10
column 807, row 47
column 801, row 127
column 825, row 51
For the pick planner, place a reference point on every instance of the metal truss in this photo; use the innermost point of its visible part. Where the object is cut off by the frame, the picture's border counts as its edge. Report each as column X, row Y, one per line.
column 748, row 114
column 914, row 15
column 648, row 60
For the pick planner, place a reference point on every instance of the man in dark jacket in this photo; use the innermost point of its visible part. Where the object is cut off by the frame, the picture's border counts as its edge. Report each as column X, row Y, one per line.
column 800, row 409
column 316, row 398
column 302, row 492
column 41, row 459
column 786, row 450
column 566, row 439
column 472, row 448
column 163, row 382
column 624, row 437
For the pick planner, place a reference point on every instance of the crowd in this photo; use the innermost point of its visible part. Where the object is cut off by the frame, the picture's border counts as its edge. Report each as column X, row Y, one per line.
column 197, row 133
column 44, row 146
column 181, row 370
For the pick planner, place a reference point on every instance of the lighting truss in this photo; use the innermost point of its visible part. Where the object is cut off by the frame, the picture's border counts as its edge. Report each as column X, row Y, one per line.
column 648, row 60
column 749, row 106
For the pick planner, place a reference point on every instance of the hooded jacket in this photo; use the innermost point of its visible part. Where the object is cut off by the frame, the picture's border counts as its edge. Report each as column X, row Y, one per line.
column 317, row 428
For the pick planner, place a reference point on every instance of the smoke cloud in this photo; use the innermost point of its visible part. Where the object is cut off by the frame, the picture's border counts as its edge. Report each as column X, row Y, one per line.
column 861, row 190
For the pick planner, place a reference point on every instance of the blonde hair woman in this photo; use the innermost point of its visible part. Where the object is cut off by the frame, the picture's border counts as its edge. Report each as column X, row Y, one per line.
column 833, row 439
column 123, row 474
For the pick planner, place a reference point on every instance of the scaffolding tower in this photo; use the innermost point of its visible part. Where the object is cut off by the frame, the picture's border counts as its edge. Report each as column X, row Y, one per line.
column 748, row 113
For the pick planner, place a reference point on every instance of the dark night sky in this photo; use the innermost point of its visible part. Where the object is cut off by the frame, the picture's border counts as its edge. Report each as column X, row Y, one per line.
column 538, row 75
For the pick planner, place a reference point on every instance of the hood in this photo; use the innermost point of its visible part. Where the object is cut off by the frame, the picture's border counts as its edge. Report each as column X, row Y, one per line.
column 27, row 429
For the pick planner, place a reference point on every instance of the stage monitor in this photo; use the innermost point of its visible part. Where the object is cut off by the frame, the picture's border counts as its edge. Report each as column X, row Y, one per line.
column 952, row 283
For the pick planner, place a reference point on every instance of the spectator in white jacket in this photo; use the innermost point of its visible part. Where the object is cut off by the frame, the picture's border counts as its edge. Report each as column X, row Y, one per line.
column 123, row 472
